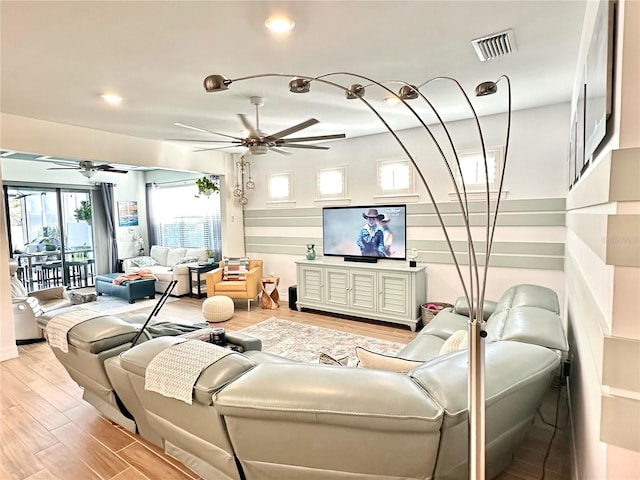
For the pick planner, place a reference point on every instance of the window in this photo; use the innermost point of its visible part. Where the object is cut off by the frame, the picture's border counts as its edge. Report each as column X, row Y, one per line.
column 395, row 177
column 280, row 187
column 472, row 171
column 332, row 183
column 180, row 219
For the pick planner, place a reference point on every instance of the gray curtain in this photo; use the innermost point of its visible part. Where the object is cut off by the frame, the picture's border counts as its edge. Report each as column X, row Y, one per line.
column 107, row 201
column 151, row 215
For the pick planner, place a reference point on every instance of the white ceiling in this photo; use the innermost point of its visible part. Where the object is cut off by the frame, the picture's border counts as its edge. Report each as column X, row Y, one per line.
column 58, row 57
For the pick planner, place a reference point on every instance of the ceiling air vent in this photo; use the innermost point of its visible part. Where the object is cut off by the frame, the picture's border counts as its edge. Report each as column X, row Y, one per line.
column 496, row 45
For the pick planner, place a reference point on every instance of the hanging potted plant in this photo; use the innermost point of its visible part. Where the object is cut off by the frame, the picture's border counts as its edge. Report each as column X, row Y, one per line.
column 83, row 213
column 206, row 186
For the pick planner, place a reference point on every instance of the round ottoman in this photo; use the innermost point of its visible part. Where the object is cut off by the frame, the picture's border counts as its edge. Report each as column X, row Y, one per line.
column 217, row 309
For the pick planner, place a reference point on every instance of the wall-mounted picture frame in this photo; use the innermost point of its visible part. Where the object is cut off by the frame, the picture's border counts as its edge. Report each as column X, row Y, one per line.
column 599, row 77
column 128, row 214
column 581, row 160
column 572, row 152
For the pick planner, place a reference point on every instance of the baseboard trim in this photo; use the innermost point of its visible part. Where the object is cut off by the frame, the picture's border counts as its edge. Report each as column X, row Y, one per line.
column 7, row 353
column 574, row 458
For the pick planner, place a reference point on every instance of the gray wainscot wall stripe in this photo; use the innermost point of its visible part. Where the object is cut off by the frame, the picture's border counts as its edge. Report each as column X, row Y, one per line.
column 514, row 213
column 534, row 212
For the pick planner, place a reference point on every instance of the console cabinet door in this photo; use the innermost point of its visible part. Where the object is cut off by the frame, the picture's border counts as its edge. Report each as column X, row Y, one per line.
column 363, row 290
column 395, row 296
column 337, row 287
column 311, row 284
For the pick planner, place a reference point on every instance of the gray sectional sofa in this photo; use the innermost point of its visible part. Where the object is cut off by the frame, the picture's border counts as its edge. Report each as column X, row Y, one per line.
column 259, row 416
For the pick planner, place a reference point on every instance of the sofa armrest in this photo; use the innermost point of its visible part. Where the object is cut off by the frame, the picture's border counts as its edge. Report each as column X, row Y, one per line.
column 211, row 279
column 253, row 282
column 128, row 264
column 53, row 293
column 182, row 268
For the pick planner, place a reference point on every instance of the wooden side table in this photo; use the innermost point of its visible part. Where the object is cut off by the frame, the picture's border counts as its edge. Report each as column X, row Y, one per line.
column 270, row 300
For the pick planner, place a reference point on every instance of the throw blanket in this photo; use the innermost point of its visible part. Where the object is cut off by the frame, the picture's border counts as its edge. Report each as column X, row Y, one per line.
column 174, row 371
column 142, row 274
column 59, row 326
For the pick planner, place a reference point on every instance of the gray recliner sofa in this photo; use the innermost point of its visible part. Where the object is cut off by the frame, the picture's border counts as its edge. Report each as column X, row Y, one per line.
column 259, row 416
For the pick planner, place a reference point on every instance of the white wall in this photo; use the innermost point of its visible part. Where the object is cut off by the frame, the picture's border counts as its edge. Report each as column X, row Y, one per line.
column 537, row 169
column 603, row 275
column 8, row 347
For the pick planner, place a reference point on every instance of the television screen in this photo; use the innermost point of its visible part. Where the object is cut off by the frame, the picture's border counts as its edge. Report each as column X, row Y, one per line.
column 373, row 232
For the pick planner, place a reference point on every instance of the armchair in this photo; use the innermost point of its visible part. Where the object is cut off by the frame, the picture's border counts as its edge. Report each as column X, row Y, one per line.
column 27, row 307
column 238, row 289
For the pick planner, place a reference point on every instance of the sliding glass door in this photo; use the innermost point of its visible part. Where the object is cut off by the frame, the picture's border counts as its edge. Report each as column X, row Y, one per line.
column 51, row 236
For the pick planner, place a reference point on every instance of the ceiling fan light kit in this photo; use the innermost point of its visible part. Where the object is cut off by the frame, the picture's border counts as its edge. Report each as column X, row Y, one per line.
column 474, row 281
column 256, row 141
column 88, row 168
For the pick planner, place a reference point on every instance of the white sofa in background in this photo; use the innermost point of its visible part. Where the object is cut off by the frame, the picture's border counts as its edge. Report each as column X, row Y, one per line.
column 168, row 263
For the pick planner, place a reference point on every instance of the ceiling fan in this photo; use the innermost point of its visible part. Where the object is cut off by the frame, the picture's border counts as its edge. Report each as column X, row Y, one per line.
column 88, row 168
column 259, row 142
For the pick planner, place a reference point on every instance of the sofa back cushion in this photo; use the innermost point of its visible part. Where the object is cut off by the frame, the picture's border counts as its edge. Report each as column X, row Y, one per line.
column 235, row 268
column 159, row 254
column 529, row 295
column 201, row 253
column 174, row 255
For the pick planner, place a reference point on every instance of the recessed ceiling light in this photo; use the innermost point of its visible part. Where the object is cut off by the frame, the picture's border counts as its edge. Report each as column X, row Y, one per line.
column 111, row 98
column 279, row 24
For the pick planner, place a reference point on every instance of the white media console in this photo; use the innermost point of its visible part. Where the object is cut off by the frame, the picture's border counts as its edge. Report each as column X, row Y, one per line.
column 391, row 292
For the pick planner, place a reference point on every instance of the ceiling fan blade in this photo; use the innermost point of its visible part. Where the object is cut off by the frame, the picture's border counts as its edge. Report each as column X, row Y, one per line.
column 198, row 129
column 296, row 145
column 311, row 139
column 113, row 170
column 279, row 150
column 294, row 129
column 63, row 168
column 201, row 141
column 216, row 148
column 247, row 124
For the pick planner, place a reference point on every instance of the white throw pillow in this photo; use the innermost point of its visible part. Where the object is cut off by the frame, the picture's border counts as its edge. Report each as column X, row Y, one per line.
column 458, row 341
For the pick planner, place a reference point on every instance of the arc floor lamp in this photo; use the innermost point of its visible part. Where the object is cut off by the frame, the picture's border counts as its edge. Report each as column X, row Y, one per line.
column 473, row 284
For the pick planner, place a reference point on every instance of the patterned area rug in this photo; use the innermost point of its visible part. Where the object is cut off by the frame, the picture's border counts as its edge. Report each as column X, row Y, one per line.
column 302, row 342
column 115, row 305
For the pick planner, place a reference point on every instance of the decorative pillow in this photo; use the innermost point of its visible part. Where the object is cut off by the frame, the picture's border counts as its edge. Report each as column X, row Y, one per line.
column 235, row 268
column 459, row 340
column 184, row 260
column 144, row 262
column 327, row 359
column 378, row 361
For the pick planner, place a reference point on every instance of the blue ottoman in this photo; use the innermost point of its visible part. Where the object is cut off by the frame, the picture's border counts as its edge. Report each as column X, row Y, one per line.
column 131, row 290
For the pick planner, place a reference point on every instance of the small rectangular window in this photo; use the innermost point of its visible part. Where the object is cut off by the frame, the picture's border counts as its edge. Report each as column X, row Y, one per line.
column 395, row 177
column 332, row 183
column 472, row 169
column 280, row 187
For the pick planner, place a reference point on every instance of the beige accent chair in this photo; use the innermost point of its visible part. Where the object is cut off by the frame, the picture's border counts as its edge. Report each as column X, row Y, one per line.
column 27, row 307
column 237, row 289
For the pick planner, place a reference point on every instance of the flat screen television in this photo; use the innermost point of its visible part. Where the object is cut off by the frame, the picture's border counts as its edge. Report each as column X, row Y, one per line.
column 365, row 233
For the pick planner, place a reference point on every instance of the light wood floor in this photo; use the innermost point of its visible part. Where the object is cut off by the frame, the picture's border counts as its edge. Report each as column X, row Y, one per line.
column 48, row 432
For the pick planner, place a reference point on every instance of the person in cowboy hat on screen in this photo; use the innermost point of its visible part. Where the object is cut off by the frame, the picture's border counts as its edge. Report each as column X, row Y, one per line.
column 370, row 237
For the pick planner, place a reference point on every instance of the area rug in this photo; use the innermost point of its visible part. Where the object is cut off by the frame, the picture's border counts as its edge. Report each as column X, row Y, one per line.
column 304, row 343
column 111, row 305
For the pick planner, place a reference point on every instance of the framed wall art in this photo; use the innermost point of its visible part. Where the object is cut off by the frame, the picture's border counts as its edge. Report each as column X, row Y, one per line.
column 128, row 214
